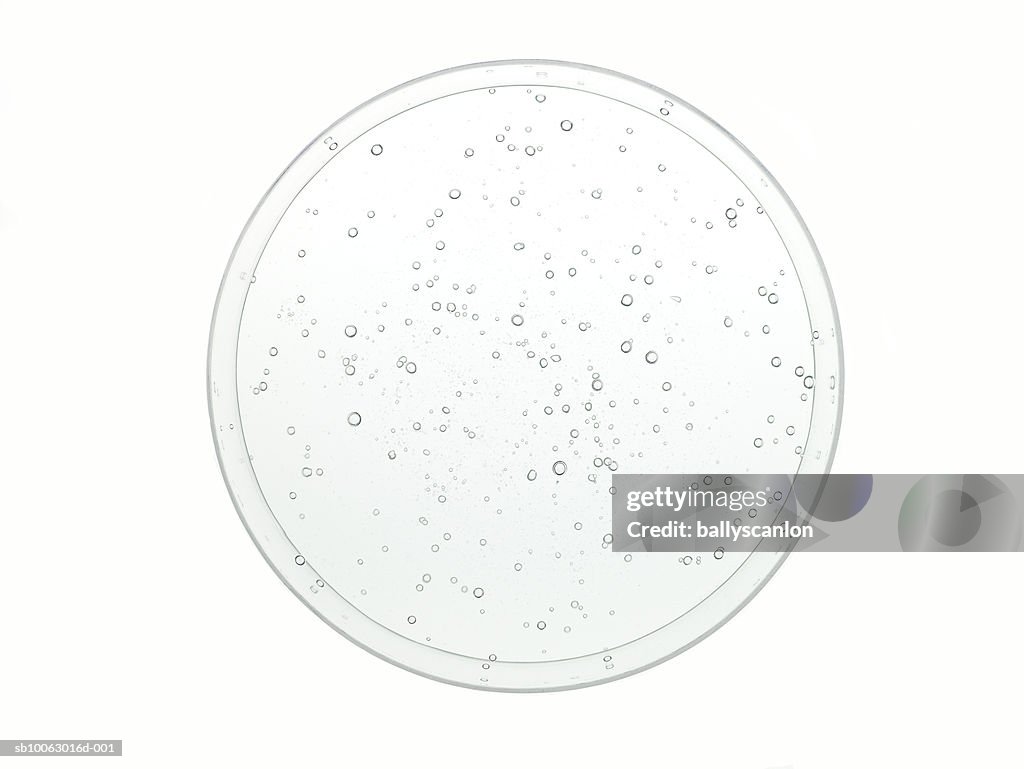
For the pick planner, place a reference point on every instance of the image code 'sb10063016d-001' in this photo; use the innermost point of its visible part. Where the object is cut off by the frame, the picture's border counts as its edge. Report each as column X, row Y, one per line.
column 461, row 310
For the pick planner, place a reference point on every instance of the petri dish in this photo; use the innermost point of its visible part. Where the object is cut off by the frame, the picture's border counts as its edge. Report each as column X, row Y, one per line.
column 458, row 312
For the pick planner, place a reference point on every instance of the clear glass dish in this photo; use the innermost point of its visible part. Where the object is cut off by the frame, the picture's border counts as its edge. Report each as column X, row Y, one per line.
column 461, row 309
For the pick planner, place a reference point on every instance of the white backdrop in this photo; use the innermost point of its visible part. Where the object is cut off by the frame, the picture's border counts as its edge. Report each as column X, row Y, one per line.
column 134, row 143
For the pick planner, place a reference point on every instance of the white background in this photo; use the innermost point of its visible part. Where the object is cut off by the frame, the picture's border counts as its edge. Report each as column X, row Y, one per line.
column 134, row 143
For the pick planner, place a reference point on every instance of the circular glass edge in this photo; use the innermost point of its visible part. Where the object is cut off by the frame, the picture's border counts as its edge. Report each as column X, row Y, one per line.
column 258, row 518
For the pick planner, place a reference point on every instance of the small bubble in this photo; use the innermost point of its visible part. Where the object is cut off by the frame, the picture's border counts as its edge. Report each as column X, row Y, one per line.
column 566, row 125
column 352, row 232
column 558, row 467
column 517, row 320
column 350, row 331
column 355, row 418
column 454, row 194
column 651, row 357
column 627, row 300
column 776, row 361
column 376, row 149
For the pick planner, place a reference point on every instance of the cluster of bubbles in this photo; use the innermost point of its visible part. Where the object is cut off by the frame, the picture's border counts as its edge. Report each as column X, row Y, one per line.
column 587, row 447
